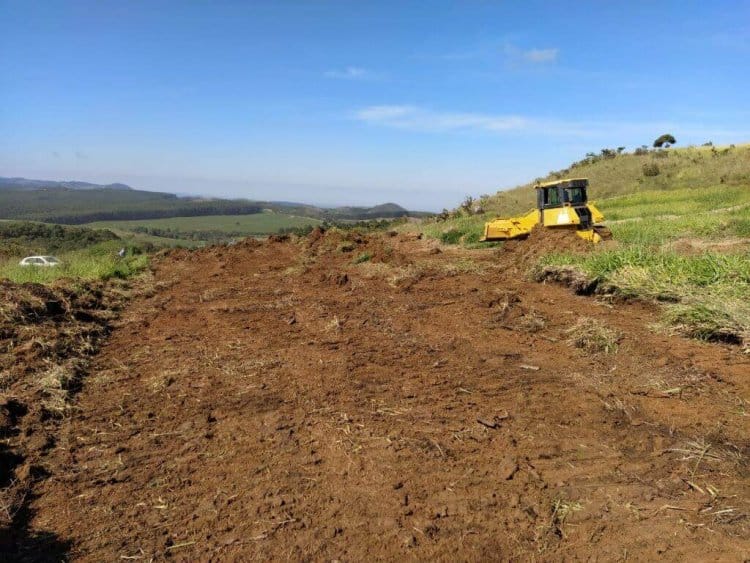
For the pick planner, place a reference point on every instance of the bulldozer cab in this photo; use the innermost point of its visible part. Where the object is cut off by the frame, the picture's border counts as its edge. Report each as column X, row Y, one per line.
column 560, row 193
column 554, row 197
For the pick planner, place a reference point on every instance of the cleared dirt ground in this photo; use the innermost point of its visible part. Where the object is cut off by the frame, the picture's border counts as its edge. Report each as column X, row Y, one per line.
column 277, row 400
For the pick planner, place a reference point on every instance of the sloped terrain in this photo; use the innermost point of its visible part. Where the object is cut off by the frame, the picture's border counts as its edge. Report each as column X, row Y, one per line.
column 627, row 174
column 351, row 397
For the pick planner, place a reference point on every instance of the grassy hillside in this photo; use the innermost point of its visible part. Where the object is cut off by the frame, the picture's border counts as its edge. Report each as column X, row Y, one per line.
column 621, row 174
column 211, row 227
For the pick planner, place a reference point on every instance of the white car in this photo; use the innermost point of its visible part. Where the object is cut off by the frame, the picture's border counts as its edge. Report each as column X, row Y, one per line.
column 46, row 261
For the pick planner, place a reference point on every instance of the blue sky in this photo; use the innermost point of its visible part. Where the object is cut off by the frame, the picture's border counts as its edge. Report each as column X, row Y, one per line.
column 342, row 102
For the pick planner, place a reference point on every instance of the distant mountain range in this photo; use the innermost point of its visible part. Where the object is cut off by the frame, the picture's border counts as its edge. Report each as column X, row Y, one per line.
column 74, row 202
column 26, row 184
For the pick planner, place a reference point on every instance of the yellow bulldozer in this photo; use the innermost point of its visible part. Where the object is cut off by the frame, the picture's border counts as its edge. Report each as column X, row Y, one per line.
column 561, row 204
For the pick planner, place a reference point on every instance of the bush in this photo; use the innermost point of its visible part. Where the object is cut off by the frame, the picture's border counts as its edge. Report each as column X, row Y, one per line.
column 451, row 236
column 664, row 140
column 650, row 169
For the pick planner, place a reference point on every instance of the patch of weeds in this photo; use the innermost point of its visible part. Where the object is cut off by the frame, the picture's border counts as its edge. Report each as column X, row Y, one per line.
column 706, row 322
column 593, row 336
column 472, row 237
column 451, row 236
column 363, row 257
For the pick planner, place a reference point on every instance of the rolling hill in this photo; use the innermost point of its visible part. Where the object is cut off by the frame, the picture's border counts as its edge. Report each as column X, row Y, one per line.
column 75, row 203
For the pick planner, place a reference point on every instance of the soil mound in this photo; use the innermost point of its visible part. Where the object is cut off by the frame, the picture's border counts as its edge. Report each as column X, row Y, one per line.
column 526, row 252
column 357, row 246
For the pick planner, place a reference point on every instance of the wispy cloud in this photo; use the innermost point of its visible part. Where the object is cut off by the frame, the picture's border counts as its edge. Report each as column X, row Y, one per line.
column 415, row 118
column 419, row 119
column 507, row 51
column 541, row 55
column 353, row 73
column 516, row 55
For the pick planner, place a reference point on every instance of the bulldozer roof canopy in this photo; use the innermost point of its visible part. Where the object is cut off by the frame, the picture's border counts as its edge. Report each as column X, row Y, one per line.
column 565, row 183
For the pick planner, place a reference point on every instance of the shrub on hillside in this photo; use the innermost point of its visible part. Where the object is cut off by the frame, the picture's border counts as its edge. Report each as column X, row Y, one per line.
column 664, row 141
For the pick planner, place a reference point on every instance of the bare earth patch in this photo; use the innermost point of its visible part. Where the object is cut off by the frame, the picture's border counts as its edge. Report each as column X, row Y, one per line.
column 279, row 401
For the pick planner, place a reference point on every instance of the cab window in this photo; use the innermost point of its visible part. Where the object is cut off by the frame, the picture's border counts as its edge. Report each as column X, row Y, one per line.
column 575, row 195
column 551, row 196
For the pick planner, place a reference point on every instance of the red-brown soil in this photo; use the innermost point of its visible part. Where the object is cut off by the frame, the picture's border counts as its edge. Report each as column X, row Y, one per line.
column 278, row 400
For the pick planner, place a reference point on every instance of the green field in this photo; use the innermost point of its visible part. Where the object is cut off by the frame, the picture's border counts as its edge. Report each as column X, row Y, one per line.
column 232, row 225
column 99, row 261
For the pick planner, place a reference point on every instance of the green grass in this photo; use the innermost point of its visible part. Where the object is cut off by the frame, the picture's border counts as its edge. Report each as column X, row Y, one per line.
column 654, row 218
column 707, row 295
column 363, row 257
column 256, row 224
column 463, row 229
column 93, row 263
column 708, row 292
column 675, row 202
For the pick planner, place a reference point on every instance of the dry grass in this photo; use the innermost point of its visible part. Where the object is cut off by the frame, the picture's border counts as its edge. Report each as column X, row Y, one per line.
column 532, row 322
column 55, row 385
column 464, row 266
column 593, row 336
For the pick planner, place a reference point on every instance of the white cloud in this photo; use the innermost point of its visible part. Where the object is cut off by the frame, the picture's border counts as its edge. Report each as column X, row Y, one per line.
column 352, row 73
column 419, row 119
column 541, row 55
column 517, row 55
column 415, row 118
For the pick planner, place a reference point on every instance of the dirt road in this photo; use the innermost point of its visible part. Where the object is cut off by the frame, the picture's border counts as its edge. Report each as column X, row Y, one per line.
column 279, row 400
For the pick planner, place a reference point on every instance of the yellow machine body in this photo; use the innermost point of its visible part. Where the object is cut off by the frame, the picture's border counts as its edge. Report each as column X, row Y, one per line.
column 561, row 204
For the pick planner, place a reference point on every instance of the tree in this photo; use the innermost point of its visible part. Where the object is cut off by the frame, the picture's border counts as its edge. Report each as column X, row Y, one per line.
column 664, row 141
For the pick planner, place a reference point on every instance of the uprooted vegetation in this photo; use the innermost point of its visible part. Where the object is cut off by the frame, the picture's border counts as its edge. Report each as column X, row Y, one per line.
column 593, row 336
column 47, row 337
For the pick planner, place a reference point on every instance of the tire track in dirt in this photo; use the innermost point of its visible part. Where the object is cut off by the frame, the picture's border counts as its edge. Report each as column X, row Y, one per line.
column 275, row 400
